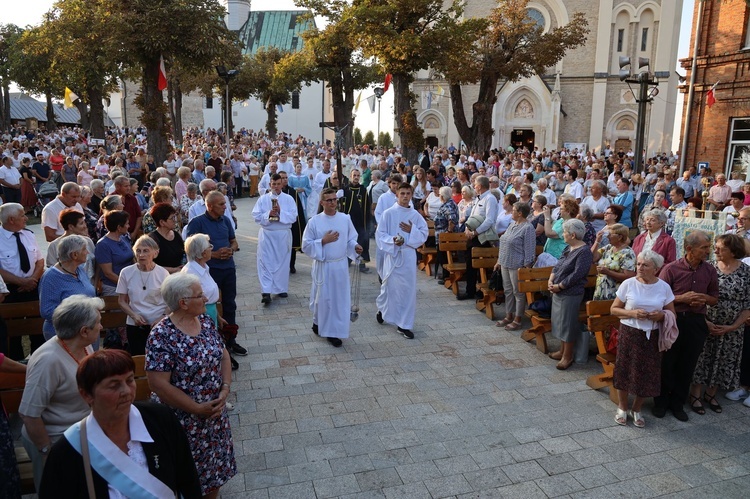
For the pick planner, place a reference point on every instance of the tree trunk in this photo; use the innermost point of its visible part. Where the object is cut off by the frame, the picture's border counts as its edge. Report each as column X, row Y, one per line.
column 96, row 113
column 478, row 136
column 6, row 104
column 154, row 112
column 402, row 102
column 170, row 103
column 271, row 121
column 51, row 123
column 83, row 113
column 342, row 102
column 177, row 112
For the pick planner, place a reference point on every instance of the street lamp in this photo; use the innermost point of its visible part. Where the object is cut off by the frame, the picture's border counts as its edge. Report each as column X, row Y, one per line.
column 227, row 76
column 379, row 91
column 645, row 95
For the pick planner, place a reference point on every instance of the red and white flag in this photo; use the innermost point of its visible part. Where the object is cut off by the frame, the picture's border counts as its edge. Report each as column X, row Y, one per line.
column 711, row 96
column 388, row 79
column 162, row 75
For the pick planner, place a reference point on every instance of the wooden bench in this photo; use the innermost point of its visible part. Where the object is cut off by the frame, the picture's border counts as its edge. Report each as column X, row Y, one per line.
column 429, row 253
column 451, row 242
column 599, row 322
column 142, row 388
column 485, row 259
column 533, row 282
column 22, row 319
column 11, row 391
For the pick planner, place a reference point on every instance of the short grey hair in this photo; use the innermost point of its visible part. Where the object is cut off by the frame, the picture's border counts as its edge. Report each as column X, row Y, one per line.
column 542, row 182
column 9, row 210
column 175, row 286
column 76, row 312
column 445, row 193
column 163, row 182
column 377, row 174
column 195, row 245
column 69, row 187
column 467, row 190
column 653, row 257
column 575, row 227
column 146, row 240
column 109, row 202
column 96, row 184
column 85, row 191
column 191, row 187
column 657, row 214
column 69, row 245
column 207, row 184
column 695, row 238
column 586, row 213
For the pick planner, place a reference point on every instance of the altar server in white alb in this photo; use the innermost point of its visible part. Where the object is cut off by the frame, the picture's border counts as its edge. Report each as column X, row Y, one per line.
column 329, row 238
column 386, row 200
column 401, row 231
column 275, row 212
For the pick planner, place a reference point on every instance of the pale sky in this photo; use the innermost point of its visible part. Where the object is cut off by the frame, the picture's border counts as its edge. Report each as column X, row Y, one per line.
column 31, row 11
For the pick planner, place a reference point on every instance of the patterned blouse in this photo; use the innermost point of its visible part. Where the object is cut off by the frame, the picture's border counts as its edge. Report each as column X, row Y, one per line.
column 448, row 212
column 517, row 246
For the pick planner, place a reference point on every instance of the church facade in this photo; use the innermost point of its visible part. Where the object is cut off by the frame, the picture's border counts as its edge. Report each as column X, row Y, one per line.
column 580, row 102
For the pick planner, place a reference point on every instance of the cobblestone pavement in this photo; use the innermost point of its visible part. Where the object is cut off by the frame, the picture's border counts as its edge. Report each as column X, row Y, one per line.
column 465, row 410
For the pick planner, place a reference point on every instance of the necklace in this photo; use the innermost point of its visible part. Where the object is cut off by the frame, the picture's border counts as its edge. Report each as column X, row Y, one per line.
column 74, row 274
column 148, row 276
column 62, row 342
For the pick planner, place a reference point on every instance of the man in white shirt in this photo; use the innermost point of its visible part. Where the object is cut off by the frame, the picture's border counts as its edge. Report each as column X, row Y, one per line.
column 547, row 193
column 486, row 208
column 265, row 182
column 574, row 188
column 70, row 194
column 284, row 164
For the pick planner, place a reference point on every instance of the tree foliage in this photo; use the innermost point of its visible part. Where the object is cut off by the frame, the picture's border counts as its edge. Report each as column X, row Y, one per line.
column 9, row 36
column 333, row 57
column 384, row 139
column 509, row 47
column 369, row 138
column 270, row 75
column 357, row 136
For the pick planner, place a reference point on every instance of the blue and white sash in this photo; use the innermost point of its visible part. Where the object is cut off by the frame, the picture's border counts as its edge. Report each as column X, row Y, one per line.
column 115, row 466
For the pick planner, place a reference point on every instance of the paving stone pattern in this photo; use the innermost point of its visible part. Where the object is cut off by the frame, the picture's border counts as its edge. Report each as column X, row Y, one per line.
column 464, row 410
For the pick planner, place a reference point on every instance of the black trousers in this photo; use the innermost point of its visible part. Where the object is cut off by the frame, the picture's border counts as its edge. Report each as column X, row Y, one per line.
column 678, row 363
column 363, row 239
column 238, row 187
column 471, row 273
column 12, row 195
column 745, row 363
column 137, row 336
column 293, row 259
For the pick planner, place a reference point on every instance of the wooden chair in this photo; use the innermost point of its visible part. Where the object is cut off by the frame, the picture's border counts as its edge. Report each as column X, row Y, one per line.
column 142, row 388
column 533, row 282
column 112, row 316
column 429, row 253
column 21, row 319
column 485, row 259
column 451, row 242
column 599, row 322
column 11, row 391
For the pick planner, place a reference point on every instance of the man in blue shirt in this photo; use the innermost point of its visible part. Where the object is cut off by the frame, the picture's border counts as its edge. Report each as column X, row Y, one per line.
column 625, row 199
column 220, row 231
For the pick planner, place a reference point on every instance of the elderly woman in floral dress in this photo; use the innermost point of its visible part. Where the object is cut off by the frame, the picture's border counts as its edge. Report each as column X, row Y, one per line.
column 615, row 261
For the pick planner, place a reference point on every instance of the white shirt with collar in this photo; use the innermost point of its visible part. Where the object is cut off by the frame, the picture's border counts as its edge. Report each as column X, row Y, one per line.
column 9, row 259
column 486, row 206
column 51, row 215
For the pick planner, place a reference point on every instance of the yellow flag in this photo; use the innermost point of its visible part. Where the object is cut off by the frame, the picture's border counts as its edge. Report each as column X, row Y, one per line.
column 356, row 104
column 441, row 91
column 69, row 97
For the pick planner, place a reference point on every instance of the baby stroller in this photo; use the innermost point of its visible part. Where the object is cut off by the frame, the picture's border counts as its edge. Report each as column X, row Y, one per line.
column 46, row 193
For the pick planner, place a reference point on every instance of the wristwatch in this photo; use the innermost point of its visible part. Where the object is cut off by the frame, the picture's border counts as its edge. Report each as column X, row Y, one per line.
column 44, row 450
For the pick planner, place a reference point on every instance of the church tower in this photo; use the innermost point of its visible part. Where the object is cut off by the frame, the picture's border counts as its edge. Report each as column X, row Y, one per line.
column 237, row 13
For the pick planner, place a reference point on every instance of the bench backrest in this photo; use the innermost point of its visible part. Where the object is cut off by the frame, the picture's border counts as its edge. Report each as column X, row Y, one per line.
column 600, row 320
column 11, row 390
column 142, row 388
column 452, row 241
column 483, row 258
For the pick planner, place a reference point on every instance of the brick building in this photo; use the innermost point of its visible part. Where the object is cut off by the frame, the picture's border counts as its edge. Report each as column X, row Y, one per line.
column 720, row 134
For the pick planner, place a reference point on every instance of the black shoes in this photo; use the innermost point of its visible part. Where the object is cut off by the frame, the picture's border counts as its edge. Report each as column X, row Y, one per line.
column 265, row 298
column 680, row 414
column 335, row 342
column 364, row 269
column 465, row 296
column 379, row 317
column 235, row 364
column 315, row 329
column 407, row 333
column 292, row 270
column 659, row 411
column 236, row 349
column 283, row 295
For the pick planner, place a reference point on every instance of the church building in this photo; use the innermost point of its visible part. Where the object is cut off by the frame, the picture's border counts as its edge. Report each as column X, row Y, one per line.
column 580, row 102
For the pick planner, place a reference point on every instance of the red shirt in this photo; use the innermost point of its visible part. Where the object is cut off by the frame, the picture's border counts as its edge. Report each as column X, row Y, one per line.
column 682, row 278
column 130, row 205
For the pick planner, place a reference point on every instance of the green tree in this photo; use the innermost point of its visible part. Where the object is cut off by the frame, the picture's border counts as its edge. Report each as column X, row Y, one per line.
column 405, row 36
column 270, row 75
column 511, row 47
column 369, row 138
column 357, row 136
column 9, row 36
column 384, row 139
column 333, row 57
column 190, row 33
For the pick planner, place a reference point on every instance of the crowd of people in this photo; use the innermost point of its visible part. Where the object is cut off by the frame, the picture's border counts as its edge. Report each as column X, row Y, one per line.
column 162, row 239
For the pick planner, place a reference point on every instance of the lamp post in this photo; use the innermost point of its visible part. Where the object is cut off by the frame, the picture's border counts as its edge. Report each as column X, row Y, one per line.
column 379, row 91
column 645, row 95
column 227, row 77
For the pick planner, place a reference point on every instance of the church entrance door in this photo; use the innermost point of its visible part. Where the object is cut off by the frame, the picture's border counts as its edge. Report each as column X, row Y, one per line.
column 432, row 142
column 522, row 137
column 623, row 144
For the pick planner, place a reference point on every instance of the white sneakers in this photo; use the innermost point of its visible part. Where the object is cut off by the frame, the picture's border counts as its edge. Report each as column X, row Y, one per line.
column 739, row 394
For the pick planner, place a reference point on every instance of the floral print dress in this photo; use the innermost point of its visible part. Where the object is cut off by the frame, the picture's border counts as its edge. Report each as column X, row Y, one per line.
column 611, row 258
column 195, row 367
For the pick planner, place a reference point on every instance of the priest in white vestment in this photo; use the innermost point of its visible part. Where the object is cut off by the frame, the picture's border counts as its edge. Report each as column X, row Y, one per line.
column 317, row 186
column 274, row 239
column 386, row 200
column 329, row 238
column 401, row 230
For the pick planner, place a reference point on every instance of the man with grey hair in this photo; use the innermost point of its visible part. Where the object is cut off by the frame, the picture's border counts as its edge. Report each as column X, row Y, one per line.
column 695, row 285
column 485, row 209
column 542, row 189
column 69, row 197
column 21, row 267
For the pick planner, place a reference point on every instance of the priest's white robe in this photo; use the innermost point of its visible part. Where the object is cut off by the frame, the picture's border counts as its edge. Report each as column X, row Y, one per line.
column 313, row 200
column 274, row 242
column 398, row 292
column 386, row 200
column 330, row 296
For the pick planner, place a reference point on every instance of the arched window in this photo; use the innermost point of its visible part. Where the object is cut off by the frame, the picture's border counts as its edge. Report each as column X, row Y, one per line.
column 536, row 17
column 645, row 32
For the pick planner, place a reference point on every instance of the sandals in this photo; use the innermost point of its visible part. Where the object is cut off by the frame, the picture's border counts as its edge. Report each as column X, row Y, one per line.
column 712, row 403
column 513, row 326
column 621, row 417
column 698, row 409
column 503, row 322
column 555, row 355
column 638, row 420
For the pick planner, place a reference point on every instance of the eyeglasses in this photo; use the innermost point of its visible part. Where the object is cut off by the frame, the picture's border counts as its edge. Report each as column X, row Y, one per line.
column 201, row 296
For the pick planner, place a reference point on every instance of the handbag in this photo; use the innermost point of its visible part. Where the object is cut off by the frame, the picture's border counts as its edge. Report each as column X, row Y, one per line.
column 87, row 461
column 612, row 341
column 496, row 280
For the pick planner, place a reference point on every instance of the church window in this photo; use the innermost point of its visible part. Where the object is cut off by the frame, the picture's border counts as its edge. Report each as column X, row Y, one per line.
column 620, row 39
column 644, row 39
column 295, row 100
column 747, row 30
column 209, row 102
column 535, row 16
